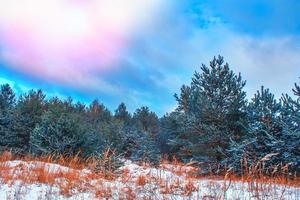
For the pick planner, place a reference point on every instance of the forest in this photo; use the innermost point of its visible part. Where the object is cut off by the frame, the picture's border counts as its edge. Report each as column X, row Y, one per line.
column 215, row 125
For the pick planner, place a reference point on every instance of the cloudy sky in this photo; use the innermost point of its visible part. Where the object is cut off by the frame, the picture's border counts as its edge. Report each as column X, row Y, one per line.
column 141, row 52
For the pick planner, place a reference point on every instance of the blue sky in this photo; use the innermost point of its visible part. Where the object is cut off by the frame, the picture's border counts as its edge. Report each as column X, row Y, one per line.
column 260, row 39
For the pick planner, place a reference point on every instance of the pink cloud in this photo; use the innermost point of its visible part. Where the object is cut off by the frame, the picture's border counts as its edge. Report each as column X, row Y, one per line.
column 69, row 41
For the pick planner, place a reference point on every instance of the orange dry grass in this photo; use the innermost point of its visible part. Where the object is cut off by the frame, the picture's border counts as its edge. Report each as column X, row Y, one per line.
column 4, row 168
column 179, row 168
column 189, row 188
column 104, row 192
column 73, row 179
column 128, row 194
column 141, row 180
column 68, row 179
column 165, row 187
column 125, row 176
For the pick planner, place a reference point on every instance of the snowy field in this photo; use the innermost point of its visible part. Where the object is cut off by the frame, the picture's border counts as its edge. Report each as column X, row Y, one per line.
column 39, row 180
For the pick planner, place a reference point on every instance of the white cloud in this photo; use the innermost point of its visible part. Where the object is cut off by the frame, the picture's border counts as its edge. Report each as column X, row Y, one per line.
column 270, row 61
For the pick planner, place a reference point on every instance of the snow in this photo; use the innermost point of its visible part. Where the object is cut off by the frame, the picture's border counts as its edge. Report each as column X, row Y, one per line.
column 36, row 192
column 165, row 182
column 34, row 164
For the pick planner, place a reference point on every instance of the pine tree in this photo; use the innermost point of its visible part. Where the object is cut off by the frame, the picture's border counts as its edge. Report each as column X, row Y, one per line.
column 288, row 145
column 7, row 98
column 29, row 110
column 223, row 90
column 7, row 106
column 263, row 132
column 145, row 148
column 97, row 113
column 64, row 133
column 171, row 125
column 142, row 136
column 123, row 120
column 184, row 99
column 214, row 111
column 122, row 114
column 113, row 133
column 146, row 121
column 274, row 129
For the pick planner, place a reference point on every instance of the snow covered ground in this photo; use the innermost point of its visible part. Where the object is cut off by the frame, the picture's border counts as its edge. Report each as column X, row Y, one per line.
column 132, row 182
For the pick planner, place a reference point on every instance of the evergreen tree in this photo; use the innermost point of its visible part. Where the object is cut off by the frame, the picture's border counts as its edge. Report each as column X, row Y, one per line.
column 264, row 129
column 213, row 123
column 214, row 111
column 113, row 133
column 274, row 129
column 29, row 110
column 64, row 133
column 288, row 145
column 145, row 148
column 97, row 113
column 7, row 104
column 146, row 121
column 223, row 90
column 80, row 108
column 7, row 98
column 142, row 136
column 171, row 125
column 184, row 99
column 122, row 114
column 123, row 118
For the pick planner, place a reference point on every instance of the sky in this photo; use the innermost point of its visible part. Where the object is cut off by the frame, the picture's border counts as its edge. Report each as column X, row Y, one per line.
column 141, row 52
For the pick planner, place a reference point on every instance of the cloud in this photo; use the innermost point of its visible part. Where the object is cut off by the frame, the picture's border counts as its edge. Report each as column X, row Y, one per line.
column 18, row 88
column 163, row 51
column 272, row 62
column 168, row 55
column 69, row 41
column 269, row 61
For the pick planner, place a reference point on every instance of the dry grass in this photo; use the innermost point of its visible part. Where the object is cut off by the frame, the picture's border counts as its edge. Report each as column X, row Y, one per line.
column 141, row 180
column 78, row 175
column 69, row 180
column 127, row 193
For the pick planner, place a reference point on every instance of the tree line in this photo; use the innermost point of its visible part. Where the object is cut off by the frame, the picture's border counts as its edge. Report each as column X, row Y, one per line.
column 214, row 124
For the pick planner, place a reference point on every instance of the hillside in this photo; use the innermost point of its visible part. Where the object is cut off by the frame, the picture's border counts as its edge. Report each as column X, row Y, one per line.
column 35, row 180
